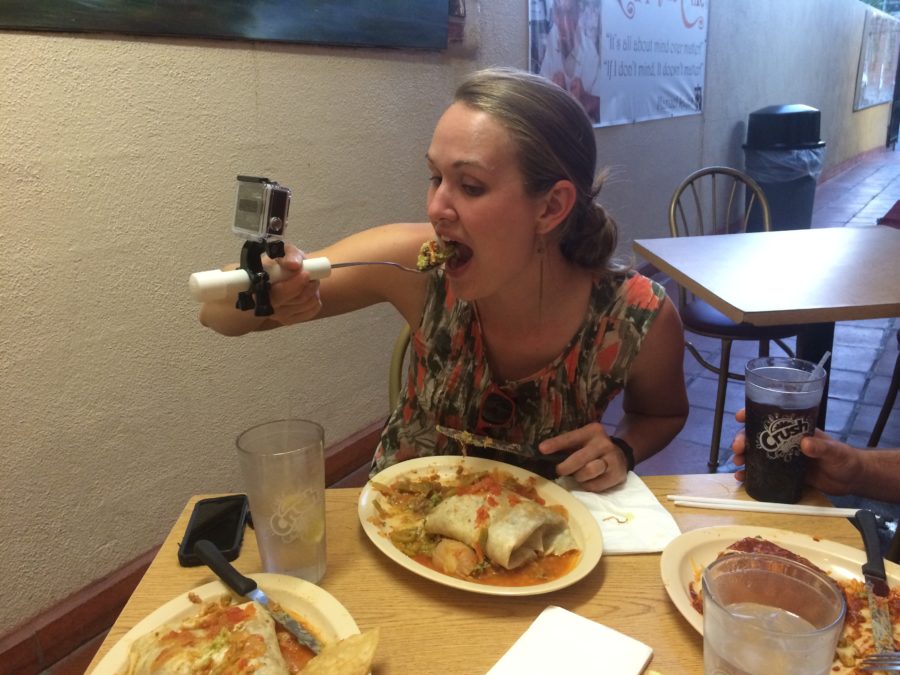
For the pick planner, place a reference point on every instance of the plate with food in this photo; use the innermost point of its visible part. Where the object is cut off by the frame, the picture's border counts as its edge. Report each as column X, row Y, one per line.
column 685, row 558
column 210, row 624
column 480, row 525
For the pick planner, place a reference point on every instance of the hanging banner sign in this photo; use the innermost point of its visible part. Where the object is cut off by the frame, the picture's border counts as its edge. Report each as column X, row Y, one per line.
column 626, row 60
column 877, row 60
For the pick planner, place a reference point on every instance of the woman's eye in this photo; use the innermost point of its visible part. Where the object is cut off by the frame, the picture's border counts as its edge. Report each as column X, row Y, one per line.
column 435, row 180
column 473, row 190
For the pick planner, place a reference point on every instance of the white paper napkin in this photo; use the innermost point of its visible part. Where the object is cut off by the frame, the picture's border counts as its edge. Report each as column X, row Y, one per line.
column 631, row 518
column 559, row 641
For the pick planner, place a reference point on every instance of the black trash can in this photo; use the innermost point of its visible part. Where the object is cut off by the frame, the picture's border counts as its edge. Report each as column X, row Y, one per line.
column 784, row 154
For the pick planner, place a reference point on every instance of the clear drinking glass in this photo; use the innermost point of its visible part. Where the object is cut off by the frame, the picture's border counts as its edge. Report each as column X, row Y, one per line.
column 766, row 615
column 284, row 473
column 782, row 406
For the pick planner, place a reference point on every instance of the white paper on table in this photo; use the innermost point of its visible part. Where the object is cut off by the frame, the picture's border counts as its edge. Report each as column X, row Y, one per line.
column 560, row 641
column 630, row 516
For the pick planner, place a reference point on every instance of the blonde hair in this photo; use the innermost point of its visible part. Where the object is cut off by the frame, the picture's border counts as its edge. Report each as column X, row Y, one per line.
column 555, row 141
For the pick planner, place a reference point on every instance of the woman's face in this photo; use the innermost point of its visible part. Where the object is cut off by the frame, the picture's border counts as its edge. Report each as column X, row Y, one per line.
column 477, row 198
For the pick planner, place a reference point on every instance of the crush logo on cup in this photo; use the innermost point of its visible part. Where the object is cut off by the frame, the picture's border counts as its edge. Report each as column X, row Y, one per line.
column 780, row 436
column 296, row 517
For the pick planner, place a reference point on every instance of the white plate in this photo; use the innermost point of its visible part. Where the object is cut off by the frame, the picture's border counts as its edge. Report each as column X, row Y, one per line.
column 318, row 608
column 694, row 550
column 584, row 527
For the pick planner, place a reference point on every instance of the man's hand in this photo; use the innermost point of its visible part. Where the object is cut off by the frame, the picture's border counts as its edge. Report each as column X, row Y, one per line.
column 833, row 465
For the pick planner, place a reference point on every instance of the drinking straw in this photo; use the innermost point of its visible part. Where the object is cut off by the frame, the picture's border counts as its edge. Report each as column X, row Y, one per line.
column 820, row 365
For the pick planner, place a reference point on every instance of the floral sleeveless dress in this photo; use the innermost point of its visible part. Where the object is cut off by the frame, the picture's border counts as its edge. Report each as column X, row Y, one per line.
column 449, row 381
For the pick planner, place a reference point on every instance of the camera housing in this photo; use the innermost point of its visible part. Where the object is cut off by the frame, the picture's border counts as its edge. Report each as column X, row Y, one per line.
column 261, row 209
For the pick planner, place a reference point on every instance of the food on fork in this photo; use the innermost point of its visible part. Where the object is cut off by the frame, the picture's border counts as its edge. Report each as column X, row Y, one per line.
column 434, row 253
column 482, row 526
column 856, row 640
column 226, row 638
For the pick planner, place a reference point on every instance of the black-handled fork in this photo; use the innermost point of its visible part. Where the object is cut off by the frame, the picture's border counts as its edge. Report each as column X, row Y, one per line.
column 489, row 448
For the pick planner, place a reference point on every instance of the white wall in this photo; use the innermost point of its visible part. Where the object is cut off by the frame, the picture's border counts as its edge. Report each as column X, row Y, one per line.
column 117, row 165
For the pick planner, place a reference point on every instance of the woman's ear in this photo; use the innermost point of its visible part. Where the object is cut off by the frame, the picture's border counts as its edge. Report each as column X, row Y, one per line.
column 556, row 205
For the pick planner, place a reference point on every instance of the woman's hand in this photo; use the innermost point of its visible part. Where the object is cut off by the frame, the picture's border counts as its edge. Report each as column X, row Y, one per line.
column 295, row 298
column 596, row 462
column 298, row 298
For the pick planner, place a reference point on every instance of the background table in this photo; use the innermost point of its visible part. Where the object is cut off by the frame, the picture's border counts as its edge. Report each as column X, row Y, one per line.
column 813, row 277
column 428, row 628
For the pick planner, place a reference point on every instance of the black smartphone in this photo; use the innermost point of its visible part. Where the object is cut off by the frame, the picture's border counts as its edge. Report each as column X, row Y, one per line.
column 221, row 520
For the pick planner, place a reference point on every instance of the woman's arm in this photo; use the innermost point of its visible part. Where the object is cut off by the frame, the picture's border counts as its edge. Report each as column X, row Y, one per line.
column 298, row 298
column 656, row 404
column 656, row 408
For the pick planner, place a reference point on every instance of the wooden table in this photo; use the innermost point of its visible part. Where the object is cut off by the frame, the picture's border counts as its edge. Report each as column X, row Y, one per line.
column 430, row 628
column 813, row 277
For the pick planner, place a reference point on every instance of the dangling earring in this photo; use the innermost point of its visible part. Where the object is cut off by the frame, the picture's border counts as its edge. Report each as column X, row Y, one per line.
column 541, row 251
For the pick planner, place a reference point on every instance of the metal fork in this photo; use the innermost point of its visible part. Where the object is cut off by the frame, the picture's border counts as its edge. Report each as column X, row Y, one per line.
column 885, row 661
column 379, row 262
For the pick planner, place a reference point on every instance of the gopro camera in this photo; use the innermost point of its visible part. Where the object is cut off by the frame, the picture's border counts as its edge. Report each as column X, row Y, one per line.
column 261, row 210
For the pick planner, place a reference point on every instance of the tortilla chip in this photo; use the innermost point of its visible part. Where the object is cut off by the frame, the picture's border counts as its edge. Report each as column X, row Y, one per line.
column 350, row 656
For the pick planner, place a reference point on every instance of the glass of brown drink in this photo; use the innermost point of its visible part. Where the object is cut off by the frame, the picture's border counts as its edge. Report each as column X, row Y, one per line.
column 783, row 396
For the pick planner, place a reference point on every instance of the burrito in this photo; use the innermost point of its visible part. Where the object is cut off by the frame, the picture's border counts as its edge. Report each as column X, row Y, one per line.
column 509, row 528
column 223, row 638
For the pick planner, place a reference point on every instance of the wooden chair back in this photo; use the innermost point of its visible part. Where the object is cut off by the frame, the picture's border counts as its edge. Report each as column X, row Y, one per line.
column 715, row 200
column 395, row 373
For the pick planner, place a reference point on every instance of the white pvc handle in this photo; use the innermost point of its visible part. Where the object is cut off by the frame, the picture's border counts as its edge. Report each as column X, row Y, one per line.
column 220, row 285
column 318, row 268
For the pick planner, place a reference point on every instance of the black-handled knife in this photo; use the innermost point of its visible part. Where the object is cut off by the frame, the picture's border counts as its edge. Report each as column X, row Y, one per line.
column 248, row 588
column 877, row 590
column 510, row 453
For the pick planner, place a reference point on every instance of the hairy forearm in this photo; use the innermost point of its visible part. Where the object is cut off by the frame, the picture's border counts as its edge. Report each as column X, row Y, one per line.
column 648, row 434
column 879, row 477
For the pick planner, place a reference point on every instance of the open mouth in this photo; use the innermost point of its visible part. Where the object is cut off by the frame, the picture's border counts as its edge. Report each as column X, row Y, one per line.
column 462, row 254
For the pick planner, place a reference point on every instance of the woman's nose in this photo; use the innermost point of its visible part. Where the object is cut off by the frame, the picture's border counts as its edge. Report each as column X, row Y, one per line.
column 440, row 206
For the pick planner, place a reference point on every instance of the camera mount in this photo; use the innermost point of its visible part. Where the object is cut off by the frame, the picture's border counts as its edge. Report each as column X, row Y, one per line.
column 257, row 296
column 260, row 218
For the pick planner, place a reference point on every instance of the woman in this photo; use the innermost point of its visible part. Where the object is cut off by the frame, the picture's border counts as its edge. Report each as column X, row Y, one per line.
column 528, row 332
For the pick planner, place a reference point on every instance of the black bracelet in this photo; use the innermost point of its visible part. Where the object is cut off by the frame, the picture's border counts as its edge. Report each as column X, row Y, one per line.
column 626, row 449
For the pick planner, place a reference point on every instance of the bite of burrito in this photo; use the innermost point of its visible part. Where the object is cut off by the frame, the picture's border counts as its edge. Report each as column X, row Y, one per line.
column 434, row 253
